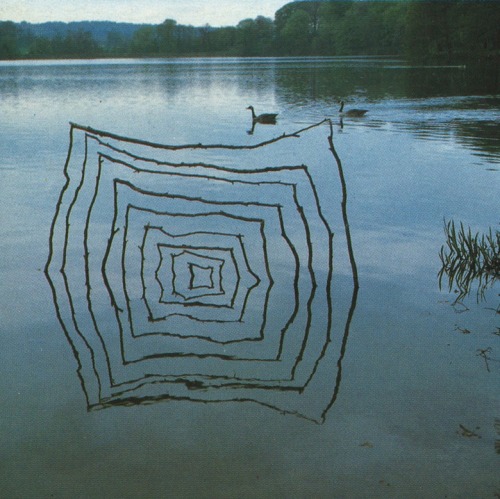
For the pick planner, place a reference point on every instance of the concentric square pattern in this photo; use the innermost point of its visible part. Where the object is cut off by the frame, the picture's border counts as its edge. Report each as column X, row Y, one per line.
column 176, row 278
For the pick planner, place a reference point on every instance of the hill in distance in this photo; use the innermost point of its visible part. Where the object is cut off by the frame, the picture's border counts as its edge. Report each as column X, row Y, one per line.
column 98, row 29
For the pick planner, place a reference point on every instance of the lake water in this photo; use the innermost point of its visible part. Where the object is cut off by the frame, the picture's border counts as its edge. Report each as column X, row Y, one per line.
column 402, row 391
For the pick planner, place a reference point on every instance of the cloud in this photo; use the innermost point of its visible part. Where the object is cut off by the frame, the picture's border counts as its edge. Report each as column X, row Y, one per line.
column 195, row 12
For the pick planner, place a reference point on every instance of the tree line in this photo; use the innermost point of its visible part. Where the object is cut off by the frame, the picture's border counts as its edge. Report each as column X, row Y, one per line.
column 416, row 30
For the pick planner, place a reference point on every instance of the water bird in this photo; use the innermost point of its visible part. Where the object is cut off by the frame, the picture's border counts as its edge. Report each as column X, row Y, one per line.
column 265, row 118
column 352, row 112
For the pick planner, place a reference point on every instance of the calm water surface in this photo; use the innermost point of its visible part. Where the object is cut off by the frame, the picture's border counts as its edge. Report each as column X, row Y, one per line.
column 416, row 403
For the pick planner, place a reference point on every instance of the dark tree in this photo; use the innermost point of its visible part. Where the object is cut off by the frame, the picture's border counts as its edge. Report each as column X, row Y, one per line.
column 117, row 44
column 255, row 36
column 428, row 32
column 296, row 35
column 167, row 37
column 330, row 16
column 145, row 42
column 421, row 30
column 8, row 40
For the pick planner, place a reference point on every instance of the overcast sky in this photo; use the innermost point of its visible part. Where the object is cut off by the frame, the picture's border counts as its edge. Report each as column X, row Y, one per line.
column 195, row 12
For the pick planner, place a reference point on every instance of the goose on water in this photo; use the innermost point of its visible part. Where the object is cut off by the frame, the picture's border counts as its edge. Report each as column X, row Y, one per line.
column 351, row 112
column 266, row 118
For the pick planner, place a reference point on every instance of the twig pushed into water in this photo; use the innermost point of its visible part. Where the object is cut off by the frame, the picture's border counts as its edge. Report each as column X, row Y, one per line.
column 483, row 352
column 465, row 432
column 459, row 307
column 463, row 330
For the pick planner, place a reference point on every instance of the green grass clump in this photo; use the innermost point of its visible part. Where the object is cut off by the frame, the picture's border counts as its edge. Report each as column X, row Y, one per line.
column 467, row 258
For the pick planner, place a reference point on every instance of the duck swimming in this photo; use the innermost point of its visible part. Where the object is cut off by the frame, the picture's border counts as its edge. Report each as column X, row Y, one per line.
column 352, row 112
column 266, row 118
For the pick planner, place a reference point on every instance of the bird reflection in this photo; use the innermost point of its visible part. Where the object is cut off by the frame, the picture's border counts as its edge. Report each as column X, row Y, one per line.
column 263, row 119
column 352, row 113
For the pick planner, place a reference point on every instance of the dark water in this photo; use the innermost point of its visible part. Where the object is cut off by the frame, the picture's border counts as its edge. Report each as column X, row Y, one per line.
column 388, row 397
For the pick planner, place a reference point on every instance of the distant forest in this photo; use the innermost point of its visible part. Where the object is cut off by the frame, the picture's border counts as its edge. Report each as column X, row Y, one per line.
column 416, row 30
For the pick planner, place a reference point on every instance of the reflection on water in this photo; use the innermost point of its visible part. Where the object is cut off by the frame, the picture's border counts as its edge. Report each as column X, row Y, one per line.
column 199, row 282
column 443, row 102
column 405, row 378
column 468, row 258
column 472, row 122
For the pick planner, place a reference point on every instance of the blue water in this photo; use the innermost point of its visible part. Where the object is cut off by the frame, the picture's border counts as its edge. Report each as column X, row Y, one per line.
column 410, row 379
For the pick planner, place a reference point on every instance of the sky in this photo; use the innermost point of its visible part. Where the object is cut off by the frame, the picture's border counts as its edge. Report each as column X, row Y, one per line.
column 194, row 12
